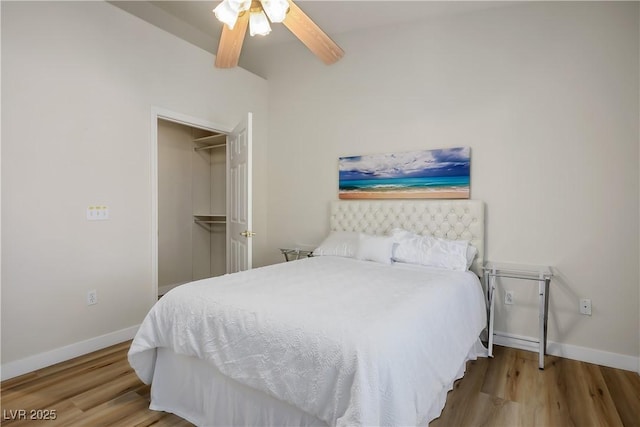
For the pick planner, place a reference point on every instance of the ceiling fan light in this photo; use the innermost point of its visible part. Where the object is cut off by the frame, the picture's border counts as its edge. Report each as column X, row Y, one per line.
column 226, row 13
column 239, row 5
column 276, row 10
column 259, row 24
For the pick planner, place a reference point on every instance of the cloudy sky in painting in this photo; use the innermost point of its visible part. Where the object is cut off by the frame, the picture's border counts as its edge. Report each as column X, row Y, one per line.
column 412, row 164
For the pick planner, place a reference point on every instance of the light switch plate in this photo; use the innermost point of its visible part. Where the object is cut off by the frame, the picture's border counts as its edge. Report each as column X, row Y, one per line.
column 97, row 213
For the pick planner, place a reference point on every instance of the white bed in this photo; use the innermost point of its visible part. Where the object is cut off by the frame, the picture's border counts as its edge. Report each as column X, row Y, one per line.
column 324, row 340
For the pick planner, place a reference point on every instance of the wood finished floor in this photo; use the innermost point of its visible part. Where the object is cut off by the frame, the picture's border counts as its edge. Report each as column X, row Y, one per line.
column 100, row 389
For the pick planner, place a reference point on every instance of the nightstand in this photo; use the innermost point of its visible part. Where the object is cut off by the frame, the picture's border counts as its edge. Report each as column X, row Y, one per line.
column 294, row 254
column 537, row 273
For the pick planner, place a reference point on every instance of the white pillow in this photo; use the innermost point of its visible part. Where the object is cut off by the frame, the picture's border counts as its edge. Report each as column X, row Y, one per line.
column 430, row 251
column 410, row 248
column 449, row 254
column 339, row 243
column 472, row 251
column 375, row 248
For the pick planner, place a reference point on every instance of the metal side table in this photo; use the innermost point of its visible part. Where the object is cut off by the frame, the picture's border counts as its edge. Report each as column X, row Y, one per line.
column 294, row 254
column 536, row 273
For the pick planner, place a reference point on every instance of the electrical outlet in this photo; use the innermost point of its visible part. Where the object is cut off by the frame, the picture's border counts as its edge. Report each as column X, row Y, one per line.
column 92, row 297
column 585, row 306
column 508, row 297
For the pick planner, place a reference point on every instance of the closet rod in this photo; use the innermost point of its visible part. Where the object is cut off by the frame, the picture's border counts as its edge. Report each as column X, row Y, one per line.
column 207, row 224
column 209, row 138
column 209, row 147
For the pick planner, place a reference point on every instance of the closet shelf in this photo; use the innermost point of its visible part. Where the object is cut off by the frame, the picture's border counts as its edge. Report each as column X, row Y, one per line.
column 207, row 221
column 210, row 142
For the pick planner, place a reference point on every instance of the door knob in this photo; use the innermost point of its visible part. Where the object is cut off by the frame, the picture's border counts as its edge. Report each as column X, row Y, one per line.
column 247, row 233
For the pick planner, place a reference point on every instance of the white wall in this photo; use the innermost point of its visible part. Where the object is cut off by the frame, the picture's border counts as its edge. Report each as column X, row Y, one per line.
column 79, row 82
column 546, row 96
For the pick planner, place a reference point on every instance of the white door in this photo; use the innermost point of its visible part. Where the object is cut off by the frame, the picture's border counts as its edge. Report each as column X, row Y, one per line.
column 239, row 234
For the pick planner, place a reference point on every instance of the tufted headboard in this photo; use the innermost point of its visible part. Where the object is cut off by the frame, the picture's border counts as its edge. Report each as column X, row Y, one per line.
column 449, row 219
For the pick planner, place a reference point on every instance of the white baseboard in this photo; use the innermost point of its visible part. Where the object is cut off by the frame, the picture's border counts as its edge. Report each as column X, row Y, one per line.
column 584, row 354
column 48, row 358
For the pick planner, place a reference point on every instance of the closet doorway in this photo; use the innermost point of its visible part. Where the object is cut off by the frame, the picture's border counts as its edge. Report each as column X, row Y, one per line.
column 201, row 184
column 192, row 204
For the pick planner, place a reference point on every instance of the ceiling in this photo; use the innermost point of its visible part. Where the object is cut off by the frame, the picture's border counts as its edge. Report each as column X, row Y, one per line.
column 194, row 21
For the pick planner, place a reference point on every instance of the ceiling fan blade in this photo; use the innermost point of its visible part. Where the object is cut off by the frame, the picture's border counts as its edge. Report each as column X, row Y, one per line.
column 231, row 43
column 311, row 35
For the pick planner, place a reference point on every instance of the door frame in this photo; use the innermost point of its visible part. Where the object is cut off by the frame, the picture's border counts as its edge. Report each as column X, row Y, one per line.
column 171, row 116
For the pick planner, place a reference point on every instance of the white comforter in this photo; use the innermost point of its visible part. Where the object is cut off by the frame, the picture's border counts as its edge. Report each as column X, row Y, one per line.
column 350, row 342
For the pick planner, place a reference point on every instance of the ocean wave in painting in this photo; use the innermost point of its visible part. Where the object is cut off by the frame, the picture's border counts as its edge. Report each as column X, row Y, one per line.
column 399, row 184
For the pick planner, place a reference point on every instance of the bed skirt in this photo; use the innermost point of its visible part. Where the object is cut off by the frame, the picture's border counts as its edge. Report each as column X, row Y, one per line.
column 196, row 391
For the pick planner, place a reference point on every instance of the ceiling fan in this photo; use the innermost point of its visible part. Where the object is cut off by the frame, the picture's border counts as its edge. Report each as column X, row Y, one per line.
column 238, row 14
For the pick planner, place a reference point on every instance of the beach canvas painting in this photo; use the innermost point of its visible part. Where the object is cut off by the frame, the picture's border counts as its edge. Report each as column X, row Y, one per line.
column 429, row 174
